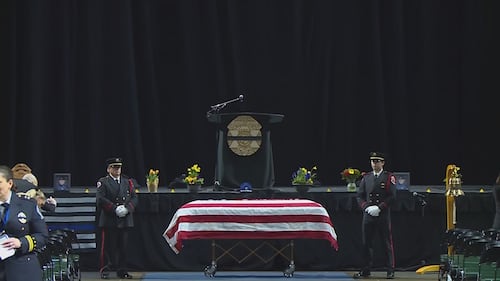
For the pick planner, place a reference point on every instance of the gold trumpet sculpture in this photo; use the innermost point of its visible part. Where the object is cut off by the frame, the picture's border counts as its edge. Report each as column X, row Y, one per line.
column 453, row 183
column 453, row 189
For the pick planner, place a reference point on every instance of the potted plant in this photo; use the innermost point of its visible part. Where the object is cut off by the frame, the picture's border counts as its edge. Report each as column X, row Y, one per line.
column 350, row 175
column 303, row 178
column 193, row 179
column 152, row 180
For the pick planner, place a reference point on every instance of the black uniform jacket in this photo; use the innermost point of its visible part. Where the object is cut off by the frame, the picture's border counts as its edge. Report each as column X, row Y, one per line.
column 110, row 195
column 24, row 185
column 496, row 196
column 25, row 222
column 379, row 191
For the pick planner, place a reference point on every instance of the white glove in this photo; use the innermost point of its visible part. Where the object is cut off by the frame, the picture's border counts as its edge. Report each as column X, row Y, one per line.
column 369, row 209
column 373, row 211
column 121, row 211
column 118, row 210
column 124, row 210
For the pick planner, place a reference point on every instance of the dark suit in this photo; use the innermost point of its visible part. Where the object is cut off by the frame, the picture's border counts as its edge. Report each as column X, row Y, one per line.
column 496, row 195
column 381, row 192
column 24, row 185
column 25, row 222
column 115, row 229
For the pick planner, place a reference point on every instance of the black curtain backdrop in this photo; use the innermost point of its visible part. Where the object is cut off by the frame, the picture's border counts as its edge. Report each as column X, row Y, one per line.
column 82, row 81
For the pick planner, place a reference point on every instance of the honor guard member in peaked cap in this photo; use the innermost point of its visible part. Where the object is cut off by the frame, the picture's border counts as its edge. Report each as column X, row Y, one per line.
column 116, row 201
column 377, row 156
column 377, row 191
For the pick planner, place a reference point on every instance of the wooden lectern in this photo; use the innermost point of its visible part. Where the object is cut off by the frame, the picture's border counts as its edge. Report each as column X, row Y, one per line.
column 244, row 150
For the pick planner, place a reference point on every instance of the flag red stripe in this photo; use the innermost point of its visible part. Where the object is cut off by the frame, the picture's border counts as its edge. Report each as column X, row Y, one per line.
column 188, row 235
column 254, row 219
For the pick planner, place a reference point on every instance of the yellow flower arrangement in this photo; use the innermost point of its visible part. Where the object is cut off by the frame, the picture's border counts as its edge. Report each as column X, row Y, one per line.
column 152, row 176
column 304, row 176
column 193, row 175
column 350, row 174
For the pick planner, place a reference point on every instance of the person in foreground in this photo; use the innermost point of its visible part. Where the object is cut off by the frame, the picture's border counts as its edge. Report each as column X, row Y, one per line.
column 116, row 201
column 496, row 196
column 377, row 190
column 23, row 230
column 28, row 186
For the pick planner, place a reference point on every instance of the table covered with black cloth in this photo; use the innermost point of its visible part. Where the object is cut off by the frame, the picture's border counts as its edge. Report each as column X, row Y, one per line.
column 417, row 230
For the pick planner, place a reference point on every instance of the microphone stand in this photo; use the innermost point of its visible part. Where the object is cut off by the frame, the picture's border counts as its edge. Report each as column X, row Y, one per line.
column 423, row 204
column 217, row 107
column 421, row 200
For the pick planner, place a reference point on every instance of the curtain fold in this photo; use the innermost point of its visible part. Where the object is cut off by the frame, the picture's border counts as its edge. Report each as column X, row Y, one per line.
column 86, row 80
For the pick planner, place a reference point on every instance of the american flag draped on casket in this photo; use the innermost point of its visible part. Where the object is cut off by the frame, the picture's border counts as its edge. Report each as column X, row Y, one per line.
column 250, row 219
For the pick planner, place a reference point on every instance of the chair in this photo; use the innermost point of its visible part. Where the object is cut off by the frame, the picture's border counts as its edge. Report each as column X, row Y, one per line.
column 491, row 254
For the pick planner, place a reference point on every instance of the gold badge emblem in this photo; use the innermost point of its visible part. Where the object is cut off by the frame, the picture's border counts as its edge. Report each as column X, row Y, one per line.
column 244, row 136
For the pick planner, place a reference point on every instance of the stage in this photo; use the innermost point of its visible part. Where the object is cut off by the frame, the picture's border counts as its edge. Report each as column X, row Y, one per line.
column 262, row 276
column 419, row 221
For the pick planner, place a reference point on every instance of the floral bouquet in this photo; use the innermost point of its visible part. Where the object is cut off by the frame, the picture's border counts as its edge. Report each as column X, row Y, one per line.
column 304, row 176
column 350, row 175
column 152, row 180
column 152, row 176
column 193, row 175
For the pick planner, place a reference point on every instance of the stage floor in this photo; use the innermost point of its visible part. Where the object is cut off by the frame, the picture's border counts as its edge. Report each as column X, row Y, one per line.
column 262, row 276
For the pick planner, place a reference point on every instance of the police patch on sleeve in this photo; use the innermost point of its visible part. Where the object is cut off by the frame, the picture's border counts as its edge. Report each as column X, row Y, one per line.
column 21, row 217
column 99, row 184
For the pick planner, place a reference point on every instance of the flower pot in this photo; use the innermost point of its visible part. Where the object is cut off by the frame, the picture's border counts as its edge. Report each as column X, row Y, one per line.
column 351, row 187
column 302, row 188
column 153, row 185
column 193, row 188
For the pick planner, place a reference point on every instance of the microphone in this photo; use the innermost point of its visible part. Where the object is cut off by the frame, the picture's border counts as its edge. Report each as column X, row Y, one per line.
column 421, row 199
column 419, row 195
column 217, row 107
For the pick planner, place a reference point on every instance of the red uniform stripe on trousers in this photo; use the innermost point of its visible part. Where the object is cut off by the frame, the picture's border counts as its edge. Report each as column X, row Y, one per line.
column 101, row 260
column 392, row 246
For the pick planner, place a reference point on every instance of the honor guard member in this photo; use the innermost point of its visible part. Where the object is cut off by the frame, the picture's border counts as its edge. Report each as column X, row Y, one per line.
column 23, row 232
column 377, row 190
column 116, row 201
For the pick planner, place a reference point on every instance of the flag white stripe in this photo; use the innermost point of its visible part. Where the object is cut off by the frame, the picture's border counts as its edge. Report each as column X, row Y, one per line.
column 252, row 211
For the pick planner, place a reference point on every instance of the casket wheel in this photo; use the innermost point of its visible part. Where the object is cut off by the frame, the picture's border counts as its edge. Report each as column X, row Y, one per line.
column 210, row 271
column 288, row 272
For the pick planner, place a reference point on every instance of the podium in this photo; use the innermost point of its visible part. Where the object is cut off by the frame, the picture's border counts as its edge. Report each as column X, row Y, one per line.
column 244, row 150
